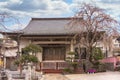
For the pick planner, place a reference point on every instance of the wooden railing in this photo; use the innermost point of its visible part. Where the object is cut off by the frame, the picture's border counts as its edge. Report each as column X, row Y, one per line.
column 62, row 65
column 48, row 65
column 53, row 65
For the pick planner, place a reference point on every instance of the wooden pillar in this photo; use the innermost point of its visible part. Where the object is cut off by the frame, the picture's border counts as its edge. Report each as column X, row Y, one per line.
column 71, row 46
column 18, row 43
column 3, row 52
column 4, row 64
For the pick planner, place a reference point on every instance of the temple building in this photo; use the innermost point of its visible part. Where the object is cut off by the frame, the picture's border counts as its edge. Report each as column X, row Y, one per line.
column 54, row 36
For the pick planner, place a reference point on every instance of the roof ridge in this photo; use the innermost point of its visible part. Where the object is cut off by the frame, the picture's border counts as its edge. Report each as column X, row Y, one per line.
column 62, row 18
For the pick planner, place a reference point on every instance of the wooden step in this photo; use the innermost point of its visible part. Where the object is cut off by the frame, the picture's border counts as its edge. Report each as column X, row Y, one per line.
column 51, row 71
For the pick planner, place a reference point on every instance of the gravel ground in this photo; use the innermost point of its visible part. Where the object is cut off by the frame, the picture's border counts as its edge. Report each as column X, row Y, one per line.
column 96, row 76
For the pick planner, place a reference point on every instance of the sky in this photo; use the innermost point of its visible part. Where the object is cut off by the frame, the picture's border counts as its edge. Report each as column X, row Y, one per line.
column 24, row 10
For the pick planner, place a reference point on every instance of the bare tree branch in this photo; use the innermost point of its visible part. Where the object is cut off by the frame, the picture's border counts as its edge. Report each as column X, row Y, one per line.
column 94, row 25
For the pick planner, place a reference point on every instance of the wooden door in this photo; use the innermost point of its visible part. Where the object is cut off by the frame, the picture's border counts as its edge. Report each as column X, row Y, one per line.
column 53, row 53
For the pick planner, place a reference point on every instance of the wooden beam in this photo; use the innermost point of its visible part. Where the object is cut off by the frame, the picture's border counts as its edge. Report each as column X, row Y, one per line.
column 47, row 37
column 51, row 42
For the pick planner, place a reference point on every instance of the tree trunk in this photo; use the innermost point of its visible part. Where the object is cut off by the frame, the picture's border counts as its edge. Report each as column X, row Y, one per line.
column 89, row 59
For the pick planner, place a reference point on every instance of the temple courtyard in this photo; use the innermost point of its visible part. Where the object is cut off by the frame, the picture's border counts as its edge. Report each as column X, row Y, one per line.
column 96, row 76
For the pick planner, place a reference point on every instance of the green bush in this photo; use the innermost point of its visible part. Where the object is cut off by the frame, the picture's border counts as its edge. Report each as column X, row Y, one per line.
column 31, row 48
column 102, row 68
column 26, row 59
column 117, row 68
column 97, row 53
column 67, row 70
column 17, row 62
column 74, row 64
column 71, row 53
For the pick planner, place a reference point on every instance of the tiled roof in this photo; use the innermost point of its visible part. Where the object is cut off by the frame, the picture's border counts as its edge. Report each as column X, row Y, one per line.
column 48, row 26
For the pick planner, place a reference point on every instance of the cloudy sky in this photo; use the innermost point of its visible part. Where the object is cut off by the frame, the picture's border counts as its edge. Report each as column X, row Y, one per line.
column 24, row 10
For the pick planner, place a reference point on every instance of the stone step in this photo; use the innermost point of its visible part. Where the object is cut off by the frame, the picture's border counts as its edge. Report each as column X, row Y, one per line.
column 54, row 77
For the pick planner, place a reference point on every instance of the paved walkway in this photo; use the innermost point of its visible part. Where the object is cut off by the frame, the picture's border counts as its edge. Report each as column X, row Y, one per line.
column 96, row 76
column 54, row 77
